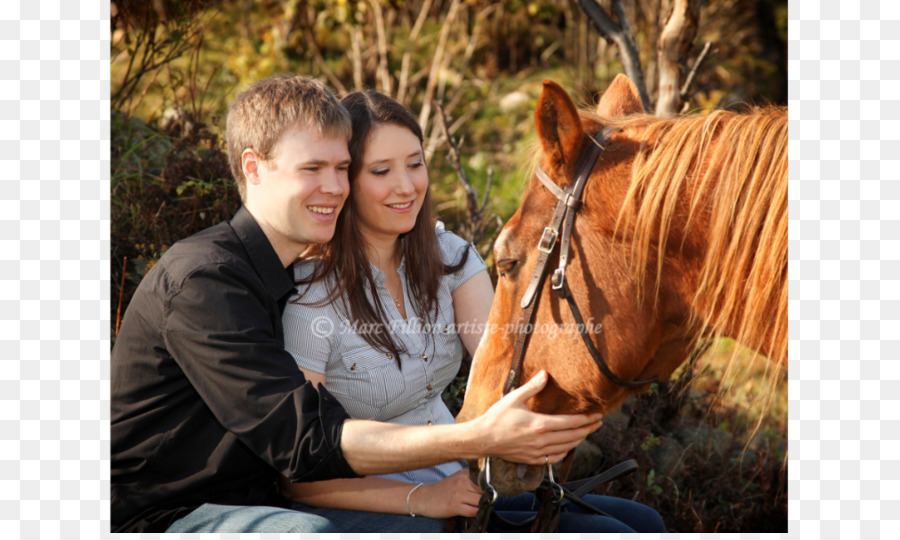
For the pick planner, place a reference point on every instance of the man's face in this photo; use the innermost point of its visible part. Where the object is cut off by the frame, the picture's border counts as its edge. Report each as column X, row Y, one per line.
column 297, row 193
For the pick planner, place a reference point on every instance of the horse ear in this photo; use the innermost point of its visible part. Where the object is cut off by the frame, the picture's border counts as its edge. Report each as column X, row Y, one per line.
column 620, row 99
column 558, row 124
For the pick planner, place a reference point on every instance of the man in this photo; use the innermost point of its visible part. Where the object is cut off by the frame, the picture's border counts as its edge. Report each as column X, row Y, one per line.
column 207, row 406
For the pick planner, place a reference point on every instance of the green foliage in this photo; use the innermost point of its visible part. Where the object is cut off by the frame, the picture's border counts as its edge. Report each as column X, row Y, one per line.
column 652, row 440
column 454, row 394
column 654, row 488
column 163, row 188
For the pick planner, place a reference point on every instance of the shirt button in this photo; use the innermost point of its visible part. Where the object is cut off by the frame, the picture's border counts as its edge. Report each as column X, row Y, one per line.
column 390, row 356
column 429, row 387
column 430, row 423
column 353, row 367
column 425, row 357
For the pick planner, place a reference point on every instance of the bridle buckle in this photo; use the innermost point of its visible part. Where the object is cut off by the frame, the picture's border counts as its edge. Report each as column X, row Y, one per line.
column 558, row 279
column 548, row 240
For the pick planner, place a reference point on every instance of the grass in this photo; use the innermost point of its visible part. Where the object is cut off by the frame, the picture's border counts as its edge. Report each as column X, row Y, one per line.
column 711, row 443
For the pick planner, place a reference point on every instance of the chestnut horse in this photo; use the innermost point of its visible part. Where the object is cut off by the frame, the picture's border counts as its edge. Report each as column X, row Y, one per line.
column 681, row 237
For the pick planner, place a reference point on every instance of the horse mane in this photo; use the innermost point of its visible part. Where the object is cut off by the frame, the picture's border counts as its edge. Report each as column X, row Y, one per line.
column 733, row 168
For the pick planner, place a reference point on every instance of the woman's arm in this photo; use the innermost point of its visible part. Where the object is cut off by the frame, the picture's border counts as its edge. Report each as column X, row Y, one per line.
column 455, row 495
column 471, row 306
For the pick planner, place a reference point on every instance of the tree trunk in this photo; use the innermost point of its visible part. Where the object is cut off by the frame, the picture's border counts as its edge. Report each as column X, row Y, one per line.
column 674, row 45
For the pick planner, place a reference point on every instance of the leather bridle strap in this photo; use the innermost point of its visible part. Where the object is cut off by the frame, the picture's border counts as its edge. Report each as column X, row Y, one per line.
column 569, row 201
column 532, row 294
column 589, row 343
column 562, row 226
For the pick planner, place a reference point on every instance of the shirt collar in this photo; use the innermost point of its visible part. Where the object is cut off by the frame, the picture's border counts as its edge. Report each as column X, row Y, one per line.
column 378, row 275
column 278, row 280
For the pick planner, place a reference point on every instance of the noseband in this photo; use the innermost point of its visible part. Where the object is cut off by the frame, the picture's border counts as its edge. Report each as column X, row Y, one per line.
column 561, row 227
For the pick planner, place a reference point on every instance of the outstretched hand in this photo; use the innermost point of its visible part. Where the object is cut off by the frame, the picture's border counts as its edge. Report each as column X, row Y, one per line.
column 519, row 435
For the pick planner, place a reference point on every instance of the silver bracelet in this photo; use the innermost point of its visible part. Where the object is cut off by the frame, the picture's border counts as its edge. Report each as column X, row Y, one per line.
column 408, row 495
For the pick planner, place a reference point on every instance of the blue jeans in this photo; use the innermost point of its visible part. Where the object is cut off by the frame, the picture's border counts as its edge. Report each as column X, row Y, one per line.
column 630, row 517
column 257, row 519
column 358, row 521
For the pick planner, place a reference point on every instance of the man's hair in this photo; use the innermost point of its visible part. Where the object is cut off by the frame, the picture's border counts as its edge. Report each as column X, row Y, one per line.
column 260, row 115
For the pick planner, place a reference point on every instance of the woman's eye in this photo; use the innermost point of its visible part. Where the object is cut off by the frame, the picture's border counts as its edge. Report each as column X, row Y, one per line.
column 416, row 165
column 380, row 172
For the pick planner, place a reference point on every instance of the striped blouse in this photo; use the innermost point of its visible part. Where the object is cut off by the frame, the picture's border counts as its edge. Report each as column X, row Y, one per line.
column 369, row 383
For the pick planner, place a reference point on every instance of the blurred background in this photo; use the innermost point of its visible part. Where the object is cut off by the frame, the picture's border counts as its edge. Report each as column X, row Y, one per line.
column 711, row 445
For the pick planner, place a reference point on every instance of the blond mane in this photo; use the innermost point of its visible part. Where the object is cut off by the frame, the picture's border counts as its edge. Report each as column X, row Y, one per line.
column 733, row 168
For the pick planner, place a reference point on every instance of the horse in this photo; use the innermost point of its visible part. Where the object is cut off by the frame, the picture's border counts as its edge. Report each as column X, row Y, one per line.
column 680, row 238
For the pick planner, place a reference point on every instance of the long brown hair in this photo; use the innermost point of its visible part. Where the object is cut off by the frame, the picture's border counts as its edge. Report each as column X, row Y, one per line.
column 345, row 256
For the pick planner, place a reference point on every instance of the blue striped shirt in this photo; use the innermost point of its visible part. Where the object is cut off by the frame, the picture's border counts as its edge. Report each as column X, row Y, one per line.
column 369, row 383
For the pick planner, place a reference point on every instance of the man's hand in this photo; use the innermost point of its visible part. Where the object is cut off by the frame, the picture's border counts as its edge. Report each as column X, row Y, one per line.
column 508, row 430
column 514, row 433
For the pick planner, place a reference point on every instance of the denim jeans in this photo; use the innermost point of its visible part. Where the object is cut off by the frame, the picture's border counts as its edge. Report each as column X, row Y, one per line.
column 630, row 517
column 257, row 519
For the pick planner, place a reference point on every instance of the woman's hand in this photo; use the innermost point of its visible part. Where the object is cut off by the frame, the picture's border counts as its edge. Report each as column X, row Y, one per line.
column 455, row 495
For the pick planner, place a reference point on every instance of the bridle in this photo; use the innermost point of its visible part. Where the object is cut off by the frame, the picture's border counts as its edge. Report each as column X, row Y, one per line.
column 564, row 219
column 550, row 493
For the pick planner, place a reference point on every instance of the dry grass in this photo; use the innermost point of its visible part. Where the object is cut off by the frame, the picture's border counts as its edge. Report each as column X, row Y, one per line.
column 711, row 443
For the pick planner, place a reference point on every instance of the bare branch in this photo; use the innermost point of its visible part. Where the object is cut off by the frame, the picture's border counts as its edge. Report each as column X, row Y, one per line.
column 321, row 64
column 425, row 113
column 601, row 20
column 631, row 58
column 404, row 82
column 454, row 156
column 474, row 225
column 382, row 71
column 356, row 56
column 621, row 35
column 685, row 88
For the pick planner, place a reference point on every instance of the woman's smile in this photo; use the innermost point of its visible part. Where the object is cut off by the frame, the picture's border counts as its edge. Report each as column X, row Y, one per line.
column 402, row 207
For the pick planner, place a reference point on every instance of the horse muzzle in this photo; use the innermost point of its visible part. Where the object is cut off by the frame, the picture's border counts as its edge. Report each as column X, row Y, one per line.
column 508, row 479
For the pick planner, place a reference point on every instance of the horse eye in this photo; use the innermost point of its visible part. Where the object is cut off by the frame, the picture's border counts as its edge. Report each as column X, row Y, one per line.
column 506, row 266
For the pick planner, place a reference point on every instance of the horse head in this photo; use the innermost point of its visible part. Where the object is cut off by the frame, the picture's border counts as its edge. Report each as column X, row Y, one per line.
column 643, row 324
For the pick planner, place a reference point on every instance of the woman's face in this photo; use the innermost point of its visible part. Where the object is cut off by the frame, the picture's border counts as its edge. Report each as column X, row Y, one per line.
column 391, row 184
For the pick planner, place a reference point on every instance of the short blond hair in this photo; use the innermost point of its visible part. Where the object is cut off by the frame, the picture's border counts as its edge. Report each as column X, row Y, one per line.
column 260, row 115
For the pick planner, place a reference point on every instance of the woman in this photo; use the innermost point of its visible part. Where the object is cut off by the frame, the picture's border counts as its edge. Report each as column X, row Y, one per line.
column 382, row 315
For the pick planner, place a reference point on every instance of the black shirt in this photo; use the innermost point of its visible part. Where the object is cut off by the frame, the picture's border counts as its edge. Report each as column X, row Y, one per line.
column 207, row 406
